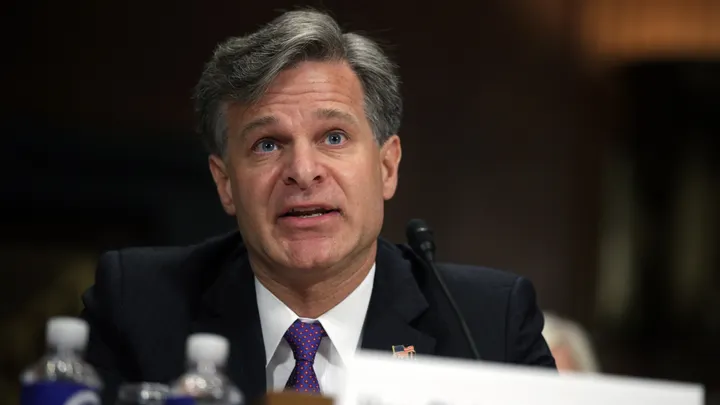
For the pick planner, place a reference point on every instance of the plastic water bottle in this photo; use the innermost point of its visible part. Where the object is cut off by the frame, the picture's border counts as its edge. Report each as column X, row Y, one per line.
column 61, row 377
column 142, row 394
column 204, row 382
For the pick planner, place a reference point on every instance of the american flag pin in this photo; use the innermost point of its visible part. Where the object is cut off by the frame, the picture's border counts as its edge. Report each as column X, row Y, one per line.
column 403, row 352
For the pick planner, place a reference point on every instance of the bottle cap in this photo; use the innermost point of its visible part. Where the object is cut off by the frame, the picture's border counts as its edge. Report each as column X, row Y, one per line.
column 67, row 332
column 207, row 347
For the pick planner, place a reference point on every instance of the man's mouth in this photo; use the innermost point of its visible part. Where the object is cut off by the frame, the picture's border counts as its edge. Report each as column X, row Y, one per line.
column 309, row 212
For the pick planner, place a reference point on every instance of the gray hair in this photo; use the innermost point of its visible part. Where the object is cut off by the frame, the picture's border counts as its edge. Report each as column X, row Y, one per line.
column 242, row 68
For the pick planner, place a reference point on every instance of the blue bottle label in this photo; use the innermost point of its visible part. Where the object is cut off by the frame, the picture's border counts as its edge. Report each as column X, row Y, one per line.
column 58, row 393
column 180, row 401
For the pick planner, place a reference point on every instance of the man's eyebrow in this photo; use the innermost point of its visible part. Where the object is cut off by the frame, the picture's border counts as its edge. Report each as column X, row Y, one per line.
column 332, row 113
column 322, row 113
column 258, row 123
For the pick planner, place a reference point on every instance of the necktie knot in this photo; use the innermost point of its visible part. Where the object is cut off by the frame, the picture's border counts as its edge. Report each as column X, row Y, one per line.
column 304, row 339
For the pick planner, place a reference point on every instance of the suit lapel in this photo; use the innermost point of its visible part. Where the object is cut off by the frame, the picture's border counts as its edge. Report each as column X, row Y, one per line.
column 396, row 302
column 230, row 310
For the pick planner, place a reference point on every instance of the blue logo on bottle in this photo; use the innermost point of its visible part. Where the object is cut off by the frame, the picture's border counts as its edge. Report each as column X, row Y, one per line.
column 180, row 401
column 58, row 393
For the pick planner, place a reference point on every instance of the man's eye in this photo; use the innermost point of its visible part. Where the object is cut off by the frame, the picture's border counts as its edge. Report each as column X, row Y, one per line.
column 335, row 138
column 265, row 146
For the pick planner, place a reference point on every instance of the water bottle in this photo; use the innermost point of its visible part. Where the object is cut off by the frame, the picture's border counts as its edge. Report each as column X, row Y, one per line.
column 204, row 382
column 61, row 377
column 142, row 394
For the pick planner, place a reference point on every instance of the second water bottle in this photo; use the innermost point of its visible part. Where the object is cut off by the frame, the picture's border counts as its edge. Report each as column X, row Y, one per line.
column 204, row 382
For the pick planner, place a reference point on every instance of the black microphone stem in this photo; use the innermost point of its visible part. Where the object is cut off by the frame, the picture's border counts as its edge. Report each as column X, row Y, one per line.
column 461, row 319
column 420, row 238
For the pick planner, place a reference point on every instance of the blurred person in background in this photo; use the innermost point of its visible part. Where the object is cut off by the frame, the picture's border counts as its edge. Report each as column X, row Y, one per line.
column 570, row 345
column 301, row 121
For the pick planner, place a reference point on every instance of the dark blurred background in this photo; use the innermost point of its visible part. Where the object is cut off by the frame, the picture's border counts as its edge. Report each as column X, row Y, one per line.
column 575, row 142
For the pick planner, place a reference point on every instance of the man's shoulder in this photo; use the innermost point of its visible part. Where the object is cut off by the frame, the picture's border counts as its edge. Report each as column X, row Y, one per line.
column 476, row 287
column 158, row 262
column 470, row 276
column 456, row 275
column 467, row 282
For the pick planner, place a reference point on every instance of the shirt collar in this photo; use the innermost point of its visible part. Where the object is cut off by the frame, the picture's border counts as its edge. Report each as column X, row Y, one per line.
column 343, row 323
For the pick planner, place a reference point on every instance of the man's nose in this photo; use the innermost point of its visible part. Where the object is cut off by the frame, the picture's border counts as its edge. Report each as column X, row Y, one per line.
column 302, row 167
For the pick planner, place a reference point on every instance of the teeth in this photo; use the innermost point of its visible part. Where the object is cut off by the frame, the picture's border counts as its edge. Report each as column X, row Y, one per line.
column 307, row 210
column 303, row 210
column 317, row 214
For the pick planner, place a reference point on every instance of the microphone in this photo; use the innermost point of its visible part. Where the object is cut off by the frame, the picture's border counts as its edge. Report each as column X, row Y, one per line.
column 422, row 241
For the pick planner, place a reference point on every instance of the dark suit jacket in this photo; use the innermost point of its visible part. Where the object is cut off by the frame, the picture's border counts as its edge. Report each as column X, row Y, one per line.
column 146, row 301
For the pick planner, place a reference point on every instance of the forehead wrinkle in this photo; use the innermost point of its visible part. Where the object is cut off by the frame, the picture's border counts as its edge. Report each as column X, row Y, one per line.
column 257, row 124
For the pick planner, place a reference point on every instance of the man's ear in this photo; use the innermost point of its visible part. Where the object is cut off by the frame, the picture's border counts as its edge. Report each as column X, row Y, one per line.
column 221, row 176
column 390, row 156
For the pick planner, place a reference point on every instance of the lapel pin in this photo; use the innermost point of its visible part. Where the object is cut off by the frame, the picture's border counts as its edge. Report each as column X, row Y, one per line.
column 402, row 352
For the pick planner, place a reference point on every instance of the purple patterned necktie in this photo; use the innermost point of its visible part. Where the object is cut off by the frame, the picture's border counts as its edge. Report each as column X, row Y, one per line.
column 304, row 339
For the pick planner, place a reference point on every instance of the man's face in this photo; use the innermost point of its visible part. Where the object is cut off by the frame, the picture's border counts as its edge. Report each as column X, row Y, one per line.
column 303, row 174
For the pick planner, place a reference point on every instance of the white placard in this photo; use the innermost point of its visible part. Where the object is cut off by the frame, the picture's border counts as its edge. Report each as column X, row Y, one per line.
column 379, row 379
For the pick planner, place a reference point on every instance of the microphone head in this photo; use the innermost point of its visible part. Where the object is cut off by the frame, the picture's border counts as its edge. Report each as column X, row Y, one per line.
column 420, row 236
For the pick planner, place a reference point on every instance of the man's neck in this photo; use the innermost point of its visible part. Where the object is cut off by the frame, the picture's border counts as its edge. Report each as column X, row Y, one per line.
column 315, row 295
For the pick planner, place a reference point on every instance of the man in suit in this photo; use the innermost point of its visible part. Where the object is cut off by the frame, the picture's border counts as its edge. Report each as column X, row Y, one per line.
column 301, row 121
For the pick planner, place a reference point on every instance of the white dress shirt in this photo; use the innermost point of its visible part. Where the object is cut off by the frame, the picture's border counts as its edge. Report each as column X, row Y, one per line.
column 343, row 324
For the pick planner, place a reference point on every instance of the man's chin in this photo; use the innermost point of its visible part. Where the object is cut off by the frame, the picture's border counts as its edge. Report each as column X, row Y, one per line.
column 312, row 254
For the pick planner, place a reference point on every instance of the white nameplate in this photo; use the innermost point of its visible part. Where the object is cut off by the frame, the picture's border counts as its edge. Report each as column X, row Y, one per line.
column 379, row 379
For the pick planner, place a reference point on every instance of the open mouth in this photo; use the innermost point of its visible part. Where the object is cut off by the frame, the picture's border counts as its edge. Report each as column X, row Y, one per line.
column 309, row 212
